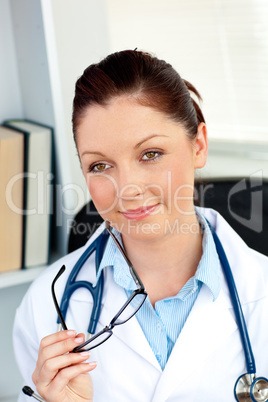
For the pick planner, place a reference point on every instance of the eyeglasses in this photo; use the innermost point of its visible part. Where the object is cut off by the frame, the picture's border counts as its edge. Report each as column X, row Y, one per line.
column 127, row 311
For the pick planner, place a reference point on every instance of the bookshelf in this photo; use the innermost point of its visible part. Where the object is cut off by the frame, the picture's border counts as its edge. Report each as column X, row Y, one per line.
column 25, row 87
column 40, row 62
column 44, row 47
column 26, row 80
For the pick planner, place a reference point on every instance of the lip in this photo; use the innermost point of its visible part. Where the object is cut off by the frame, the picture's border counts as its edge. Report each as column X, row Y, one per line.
column 139, row 213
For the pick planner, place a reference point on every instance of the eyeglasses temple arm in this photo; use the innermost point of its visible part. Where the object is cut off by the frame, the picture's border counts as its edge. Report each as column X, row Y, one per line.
column 132, row 270
column 64, row 326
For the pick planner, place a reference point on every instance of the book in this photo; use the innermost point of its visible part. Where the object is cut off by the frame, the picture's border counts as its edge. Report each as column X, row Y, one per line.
column 37, row 190
column 11, row 198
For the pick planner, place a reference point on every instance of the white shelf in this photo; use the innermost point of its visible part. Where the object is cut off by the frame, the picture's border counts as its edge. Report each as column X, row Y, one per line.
column 14, row 278
column 25, row 275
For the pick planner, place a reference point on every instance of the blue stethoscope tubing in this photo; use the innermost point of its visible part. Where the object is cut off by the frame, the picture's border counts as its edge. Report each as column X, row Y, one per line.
column 247, row 387
column 98, row 246
column 250, row 361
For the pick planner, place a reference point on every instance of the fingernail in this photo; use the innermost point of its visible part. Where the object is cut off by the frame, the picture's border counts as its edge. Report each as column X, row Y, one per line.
column 91, row 364
column 85, row 354
column 71, row 332
column 78, row 340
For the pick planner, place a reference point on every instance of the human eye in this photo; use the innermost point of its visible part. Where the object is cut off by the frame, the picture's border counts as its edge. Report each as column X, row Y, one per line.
column 98, row 167
column 151, row 155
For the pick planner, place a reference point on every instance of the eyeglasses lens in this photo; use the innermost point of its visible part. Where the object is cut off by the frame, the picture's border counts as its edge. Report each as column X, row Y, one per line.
column 99, row 339
column 130, row 310
column 127, row 312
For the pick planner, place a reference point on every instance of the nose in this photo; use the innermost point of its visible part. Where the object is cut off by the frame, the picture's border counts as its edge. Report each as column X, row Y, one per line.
column 130, row 185
column 130, row 191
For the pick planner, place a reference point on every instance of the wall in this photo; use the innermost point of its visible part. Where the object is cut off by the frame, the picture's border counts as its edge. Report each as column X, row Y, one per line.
column 80, row 38
column 221, row 46
column 10, row 105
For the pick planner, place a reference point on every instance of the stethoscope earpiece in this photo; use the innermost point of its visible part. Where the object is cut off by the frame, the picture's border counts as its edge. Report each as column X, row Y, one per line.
column 251, row 389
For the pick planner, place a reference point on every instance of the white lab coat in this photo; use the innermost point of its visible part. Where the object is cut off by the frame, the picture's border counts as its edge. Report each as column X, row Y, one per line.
column 207, row 358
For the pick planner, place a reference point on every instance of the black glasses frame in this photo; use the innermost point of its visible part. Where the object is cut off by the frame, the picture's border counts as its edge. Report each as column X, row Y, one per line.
column 108, row 329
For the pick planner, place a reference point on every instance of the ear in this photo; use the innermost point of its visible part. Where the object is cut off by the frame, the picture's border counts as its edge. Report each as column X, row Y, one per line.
column 200, row 146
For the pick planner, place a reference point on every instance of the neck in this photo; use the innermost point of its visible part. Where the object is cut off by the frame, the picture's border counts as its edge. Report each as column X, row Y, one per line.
column 167, row 263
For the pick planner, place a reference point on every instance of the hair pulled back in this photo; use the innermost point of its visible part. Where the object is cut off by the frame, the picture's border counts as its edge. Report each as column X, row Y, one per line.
column 148, row 80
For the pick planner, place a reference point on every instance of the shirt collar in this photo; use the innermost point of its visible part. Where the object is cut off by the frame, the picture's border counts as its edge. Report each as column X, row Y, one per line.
column 209, row 267
column 113, row 258
column 208, row 270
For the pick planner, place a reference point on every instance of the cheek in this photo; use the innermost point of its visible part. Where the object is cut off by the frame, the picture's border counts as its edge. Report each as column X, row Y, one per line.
column 178, row 184
column 103, row 191
column 178, row 174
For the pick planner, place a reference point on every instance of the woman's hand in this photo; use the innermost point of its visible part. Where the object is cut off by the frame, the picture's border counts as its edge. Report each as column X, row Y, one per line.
column 60, row 375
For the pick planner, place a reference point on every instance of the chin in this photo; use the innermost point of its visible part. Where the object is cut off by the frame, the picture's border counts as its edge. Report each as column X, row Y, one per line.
column 142, row 230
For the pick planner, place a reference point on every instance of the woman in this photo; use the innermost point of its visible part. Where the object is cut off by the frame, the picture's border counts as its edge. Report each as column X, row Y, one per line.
column 140, row 137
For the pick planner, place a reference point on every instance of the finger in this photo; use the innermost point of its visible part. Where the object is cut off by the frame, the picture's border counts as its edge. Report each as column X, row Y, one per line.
column 52, row 366
column 62, row 345
column 57, row 337
column 58, row 385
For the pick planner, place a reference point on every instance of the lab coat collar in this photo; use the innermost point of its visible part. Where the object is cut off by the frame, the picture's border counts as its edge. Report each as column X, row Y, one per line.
column 246, row 264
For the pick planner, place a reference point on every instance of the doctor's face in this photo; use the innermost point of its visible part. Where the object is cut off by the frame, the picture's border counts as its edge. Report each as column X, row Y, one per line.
column 139, row 167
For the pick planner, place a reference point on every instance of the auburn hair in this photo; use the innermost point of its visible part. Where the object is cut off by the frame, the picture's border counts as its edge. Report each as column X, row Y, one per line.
column 145, row 78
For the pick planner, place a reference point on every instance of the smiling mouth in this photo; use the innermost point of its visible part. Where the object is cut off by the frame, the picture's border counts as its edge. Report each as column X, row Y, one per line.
column 139, row 213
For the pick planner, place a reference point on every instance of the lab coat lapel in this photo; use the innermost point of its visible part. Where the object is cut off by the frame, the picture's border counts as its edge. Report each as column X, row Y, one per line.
column 207, row 327
column 129, row 333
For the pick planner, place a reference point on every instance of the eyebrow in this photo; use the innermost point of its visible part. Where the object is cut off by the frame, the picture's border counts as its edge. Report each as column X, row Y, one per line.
column 136, row 146
column 148, row 138
column 92, row 153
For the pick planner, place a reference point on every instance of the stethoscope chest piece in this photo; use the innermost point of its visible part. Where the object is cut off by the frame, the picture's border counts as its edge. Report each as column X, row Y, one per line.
column 251, row 389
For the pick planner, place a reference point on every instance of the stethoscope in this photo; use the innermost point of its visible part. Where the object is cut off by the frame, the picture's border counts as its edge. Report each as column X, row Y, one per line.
column 97, row 246
column 247, row 387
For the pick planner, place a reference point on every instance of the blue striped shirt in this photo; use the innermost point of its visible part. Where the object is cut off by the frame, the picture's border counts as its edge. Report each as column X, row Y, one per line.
column 163, row 324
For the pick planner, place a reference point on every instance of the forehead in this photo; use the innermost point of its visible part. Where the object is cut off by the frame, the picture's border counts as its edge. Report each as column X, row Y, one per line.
column 122, row 117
